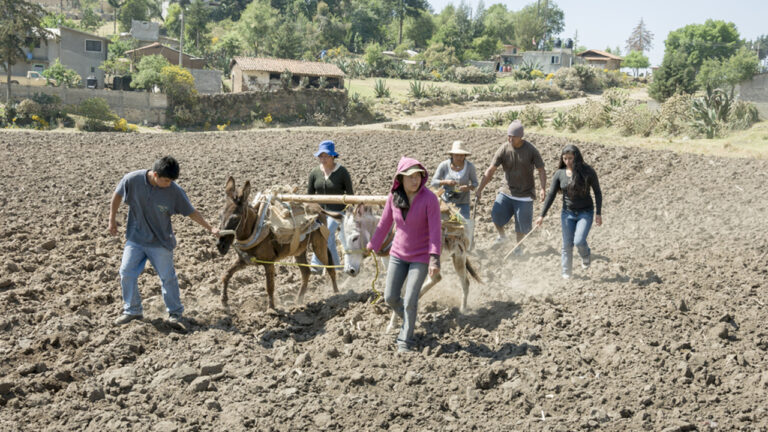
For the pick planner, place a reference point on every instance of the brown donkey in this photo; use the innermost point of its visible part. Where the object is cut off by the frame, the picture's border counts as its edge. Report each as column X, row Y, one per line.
column 254, row 240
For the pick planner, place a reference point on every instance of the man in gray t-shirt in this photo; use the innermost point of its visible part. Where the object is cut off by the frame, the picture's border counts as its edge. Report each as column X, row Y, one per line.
column 518, row 158
column 152, row 197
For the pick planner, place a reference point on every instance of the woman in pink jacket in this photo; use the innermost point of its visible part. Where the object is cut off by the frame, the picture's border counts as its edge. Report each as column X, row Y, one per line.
column 415, row 251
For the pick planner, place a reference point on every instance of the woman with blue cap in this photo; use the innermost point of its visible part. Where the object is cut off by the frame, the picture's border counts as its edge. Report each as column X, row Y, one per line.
column 329, row 178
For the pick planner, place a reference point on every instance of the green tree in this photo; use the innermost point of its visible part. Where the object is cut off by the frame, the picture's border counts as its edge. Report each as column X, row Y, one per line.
column 256, row 23
column 484, row 47
column 223, row 51
column 420, row 29
column 407, row 8
column 726, row 73
column 56, row 20
column 286, row 41
column 537, row 23
column 90, row 21
column 498, row 23
column 640, row 39
column 150, row 72
column 197, row 18
column 439, row 56
column 172, row 23
column 133, row 10
column 19, row 19
column 760, row 46
column 62, row 75
column 375, row 59
column 116, row 5
column 686, row 49
column 635, row 60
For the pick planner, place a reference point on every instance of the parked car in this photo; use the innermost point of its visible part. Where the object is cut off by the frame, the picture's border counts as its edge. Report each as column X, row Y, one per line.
column 33, row 78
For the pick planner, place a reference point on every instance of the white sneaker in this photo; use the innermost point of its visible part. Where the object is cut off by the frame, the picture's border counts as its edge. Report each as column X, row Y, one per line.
column 500, row 241
column 566, row 276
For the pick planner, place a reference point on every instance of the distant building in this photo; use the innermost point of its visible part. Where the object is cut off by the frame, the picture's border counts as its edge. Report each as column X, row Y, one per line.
column 206, row 80
column 250, row 73
column 545, row 61
column 83, row 52
column 171, row 54
column 145, row 31
column 600, row 59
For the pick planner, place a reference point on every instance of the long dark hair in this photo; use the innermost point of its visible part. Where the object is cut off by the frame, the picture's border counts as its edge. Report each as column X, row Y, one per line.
column 578, row 185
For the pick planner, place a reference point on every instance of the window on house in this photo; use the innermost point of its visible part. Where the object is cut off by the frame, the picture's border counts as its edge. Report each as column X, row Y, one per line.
column 274, row 76
column 92, row 45
column 555, row 59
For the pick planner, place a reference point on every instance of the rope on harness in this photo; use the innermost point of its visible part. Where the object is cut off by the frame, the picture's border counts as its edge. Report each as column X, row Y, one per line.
column 375, row 278
column 258, row 261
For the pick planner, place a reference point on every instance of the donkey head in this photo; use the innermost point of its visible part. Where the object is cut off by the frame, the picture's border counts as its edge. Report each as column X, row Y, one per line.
column 359, row 226
column 233, row 214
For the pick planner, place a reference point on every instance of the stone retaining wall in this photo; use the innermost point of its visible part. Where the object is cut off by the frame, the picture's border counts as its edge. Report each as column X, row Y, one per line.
column 326, row 106
column 136, row 107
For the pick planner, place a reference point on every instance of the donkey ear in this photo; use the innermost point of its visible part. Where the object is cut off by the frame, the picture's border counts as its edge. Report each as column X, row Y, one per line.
column 246, row 191
column 229, row 189
column 361, row 209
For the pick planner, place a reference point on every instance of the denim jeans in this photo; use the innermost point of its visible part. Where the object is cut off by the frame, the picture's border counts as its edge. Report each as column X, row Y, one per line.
column 405, row 307
column 333, row 228
column 463, row 210
column 505, row 207
column 576, row 225
column 135, row 257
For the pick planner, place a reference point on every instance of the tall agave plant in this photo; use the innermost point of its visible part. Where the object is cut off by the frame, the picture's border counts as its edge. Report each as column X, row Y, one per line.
column 380, row 89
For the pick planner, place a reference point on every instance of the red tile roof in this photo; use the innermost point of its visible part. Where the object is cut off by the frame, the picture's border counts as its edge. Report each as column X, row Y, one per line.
column 297, row 67
column 597, row 54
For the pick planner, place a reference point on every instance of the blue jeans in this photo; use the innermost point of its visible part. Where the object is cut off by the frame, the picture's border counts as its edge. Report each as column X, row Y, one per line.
column 333, row 228
column 505, row 207
column 463, row 210
column 576, row 225
column 405, row 307
column 135, row 257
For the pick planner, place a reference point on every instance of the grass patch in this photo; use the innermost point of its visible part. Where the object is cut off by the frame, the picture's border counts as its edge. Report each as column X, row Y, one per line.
column 749, row 143
column 399, row 88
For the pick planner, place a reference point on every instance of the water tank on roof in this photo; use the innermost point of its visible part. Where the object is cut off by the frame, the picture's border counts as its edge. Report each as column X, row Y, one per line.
column 569, row 43
column 558, row 43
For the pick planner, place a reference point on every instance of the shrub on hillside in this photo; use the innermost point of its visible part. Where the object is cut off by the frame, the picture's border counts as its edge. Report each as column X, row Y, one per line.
column 28, row 108
column 634, row 119
column 743, row 115
column 96, row 112
column 473, row 75
column 675, row 115
column 50, row 106
column 567, row 79
column 532, row 115
column 178, row 84
column 595, row 114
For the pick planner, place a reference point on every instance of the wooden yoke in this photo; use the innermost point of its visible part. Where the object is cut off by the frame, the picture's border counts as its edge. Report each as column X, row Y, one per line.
column 335, row 199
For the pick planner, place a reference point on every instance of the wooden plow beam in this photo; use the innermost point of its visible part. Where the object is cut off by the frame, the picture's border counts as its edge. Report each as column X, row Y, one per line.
column 334, row 199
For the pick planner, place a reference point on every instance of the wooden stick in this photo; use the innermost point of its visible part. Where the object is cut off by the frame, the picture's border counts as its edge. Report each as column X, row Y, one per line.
column 334, row 199
column 520, row 242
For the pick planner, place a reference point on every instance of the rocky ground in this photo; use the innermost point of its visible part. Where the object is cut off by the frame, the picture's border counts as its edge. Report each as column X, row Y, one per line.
column 666, row 331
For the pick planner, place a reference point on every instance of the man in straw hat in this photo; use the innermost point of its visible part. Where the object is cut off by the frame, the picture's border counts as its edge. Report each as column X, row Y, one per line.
column 518, row 158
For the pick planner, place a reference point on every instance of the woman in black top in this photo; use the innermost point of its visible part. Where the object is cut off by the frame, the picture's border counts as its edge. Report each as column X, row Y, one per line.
column 329, row 178
column 574, row 178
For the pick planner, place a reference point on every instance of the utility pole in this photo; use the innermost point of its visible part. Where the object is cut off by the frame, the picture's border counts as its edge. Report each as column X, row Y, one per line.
column 181, row 39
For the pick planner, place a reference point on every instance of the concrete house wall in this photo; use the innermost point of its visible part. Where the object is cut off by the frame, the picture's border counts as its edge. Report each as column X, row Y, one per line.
column 69, row 48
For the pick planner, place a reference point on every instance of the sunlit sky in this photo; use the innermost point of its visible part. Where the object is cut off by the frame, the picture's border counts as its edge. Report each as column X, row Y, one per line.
column 602, row 23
